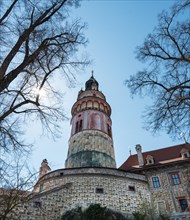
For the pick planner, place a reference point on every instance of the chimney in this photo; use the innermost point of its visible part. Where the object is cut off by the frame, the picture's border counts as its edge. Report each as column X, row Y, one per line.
column 139, row 154
column 44, row 168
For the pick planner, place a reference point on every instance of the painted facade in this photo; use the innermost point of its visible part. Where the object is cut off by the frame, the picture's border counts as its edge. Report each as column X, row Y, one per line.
column 168, row 175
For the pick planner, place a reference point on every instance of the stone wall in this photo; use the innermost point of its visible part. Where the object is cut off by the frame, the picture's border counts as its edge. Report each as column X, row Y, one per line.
column 65, row 189
column 96, row 144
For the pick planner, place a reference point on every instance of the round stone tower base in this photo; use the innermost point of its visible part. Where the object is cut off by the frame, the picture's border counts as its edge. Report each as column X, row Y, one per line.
column 66, row 189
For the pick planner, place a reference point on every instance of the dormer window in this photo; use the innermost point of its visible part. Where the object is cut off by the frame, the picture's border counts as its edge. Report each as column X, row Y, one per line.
column 184, row 153
column 149, row 160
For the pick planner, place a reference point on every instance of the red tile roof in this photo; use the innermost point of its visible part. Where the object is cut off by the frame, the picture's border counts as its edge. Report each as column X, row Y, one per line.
column 161, row 156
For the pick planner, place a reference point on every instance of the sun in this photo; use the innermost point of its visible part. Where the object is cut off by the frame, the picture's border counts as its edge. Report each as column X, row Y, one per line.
column 38, row 92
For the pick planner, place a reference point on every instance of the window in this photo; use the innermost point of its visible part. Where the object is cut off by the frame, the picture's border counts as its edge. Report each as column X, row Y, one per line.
column 183, row 204
column 149, row 160
column 156, row 181
column 131, row 188
column 78, row 126
column 37, row 204
column 184, row 153
column 109, row 130
column 175, row 178
column 100, row 190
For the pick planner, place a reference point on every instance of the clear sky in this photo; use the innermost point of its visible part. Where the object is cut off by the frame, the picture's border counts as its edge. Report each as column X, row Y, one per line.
column 115, row 29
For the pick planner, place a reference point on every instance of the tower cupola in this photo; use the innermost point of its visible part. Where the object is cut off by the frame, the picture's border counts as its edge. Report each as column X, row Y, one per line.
column 91, row 144
column 91, row 84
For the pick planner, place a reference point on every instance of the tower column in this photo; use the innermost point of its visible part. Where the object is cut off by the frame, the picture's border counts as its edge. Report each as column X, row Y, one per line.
column 91, row 143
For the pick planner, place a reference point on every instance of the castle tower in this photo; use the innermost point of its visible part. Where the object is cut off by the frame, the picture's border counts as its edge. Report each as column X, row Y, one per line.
column 91, row 143
column 44, row 168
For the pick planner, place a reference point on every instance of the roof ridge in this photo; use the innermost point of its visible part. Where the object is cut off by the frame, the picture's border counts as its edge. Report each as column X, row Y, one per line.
column 166, row 148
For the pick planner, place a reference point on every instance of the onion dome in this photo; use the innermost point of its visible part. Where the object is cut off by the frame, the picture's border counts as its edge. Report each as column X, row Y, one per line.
column 91, row 84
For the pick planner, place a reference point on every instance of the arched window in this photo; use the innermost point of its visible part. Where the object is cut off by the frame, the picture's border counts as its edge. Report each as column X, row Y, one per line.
column 96, row 105
column 109, row 130
column 78, row 108
column 184, row 153
column 78, row 126
column 101, row 107
column 149, row 160
column 83, row 106
column 106, row 109
column 89, row 104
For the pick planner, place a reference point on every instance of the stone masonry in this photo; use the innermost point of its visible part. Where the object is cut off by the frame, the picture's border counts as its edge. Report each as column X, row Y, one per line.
column 94, row 146
column 64, row 189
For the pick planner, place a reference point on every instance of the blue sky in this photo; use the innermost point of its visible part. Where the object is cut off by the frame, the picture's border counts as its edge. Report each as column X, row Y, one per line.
column 115, row 29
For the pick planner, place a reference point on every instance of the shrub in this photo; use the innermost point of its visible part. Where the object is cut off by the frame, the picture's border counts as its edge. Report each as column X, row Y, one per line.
column 93, row 212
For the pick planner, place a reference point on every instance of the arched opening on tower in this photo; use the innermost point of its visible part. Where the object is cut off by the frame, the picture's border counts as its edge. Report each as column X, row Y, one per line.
column 78, row 126
column 109, row 130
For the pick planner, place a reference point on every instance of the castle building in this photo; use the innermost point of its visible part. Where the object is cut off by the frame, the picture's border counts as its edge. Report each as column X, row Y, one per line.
column 90, row 175
column 167, row 171
column 159, row 177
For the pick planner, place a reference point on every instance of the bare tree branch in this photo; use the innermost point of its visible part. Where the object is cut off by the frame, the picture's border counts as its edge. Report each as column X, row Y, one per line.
column 42, row 41
column 167, row 79
column 39, row 42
